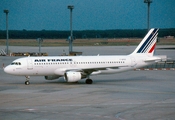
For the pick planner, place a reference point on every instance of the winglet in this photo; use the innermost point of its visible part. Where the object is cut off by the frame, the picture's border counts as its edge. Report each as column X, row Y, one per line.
column 147, row 45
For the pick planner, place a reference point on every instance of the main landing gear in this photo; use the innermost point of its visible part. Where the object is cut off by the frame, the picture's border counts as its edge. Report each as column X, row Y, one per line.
column 27, row 80
column 89, row 81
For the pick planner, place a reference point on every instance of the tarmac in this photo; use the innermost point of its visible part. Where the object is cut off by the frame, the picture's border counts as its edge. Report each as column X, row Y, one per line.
column 133, row 95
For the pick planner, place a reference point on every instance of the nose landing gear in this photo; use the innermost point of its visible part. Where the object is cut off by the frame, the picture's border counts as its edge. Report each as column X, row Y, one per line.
column 27, row 80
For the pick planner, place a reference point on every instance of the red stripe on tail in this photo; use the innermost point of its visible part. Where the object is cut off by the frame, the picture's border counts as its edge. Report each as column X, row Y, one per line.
column 151, row 50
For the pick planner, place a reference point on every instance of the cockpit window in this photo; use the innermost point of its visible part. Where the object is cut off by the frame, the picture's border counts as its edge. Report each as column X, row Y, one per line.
column 15, row 63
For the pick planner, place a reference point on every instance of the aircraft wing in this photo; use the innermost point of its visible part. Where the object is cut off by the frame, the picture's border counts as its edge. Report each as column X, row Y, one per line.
column 88, row 71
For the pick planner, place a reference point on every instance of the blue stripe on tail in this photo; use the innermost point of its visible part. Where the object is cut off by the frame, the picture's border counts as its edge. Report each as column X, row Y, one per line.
column 148, row 41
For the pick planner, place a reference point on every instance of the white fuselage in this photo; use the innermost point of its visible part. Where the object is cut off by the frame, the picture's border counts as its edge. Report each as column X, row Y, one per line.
column 58, row 65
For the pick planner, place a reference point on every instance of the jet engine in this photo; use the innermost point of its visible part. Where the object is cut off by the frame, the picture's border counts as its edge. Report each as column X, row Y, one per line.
column 51, row 77
column 73, row 76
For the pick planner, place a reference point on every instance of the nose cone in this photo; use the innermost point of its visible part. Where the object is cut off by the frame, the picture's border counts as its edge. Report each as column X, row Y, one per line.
column 8, row 69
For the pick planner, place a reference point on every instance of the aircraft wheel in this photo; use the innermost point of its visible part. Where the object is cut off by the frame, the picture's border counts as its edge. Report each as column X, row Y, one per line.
column 27, row 82
column 89, row 81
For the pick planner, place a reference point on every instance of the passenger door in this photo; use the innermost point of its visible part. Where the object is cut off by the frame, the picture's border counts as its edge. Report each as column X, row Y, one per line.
column 133, row 62
column 29, row 64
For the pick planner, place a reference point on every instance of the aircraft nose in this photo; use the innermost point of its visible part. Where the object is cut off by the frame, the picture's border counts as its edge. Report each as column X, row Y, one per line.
column 8, row 70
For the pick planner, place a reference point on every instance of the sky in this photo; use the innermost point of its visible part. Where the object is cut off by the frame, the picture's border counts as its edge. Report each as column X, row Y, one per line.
column 87, row 14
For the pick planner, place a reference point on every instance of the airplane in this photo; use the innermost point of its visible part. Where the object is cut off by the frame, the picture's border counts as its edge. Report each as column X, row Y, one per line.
column 75, row 68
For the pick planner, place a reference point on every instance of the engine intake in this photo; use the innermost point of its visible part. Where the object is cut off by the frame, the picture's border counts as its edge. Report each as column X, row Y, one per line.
column 73, row 76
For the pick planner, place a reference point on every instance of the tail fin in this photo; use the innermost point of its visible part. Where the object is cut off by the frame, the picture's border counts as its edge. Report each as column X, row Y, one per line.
column 147, row 45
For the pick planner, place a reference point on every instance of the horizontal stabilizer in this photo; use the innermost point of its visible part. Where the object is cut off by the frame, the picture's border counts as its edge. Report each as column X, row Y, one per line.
column 156, row 59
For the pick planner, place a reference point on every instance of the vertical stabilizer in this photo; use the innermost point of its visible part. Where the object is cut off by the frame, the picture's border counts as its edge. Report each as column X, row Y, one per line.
column 147, row 45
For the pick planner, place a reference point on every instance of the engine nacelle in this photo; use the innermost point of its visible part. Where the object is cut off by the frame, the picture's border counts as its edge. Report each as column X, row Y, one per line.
column 51, row 77
column 72, row 76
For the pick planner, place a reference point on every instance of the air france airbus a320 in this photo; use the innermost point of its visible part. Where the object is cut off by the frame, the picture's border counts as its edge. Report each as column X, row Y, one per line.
column 75, row 68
